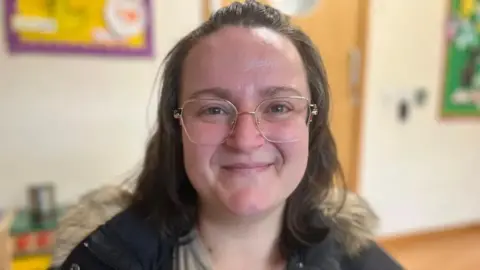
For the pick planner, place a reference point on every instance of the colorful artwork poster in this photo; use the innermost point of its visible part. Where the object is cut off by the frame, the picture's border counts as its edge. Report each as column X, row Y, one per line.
column 100, row 27
column 461, row 93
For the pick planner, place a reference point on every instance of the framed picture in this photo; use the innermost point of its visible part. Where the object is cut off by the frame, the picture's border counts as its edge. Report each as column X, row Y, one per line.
column 100, row 27
column 461, row 88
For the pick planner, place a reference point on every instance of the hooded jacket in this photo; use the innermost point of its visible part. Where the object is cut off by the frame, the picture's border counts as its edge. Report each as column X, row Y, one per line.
column 101, row 232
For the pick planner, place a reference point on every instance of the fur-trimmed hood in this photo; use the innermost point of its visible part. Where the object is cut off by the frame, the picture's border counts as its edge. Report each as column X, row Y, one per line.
column 353, row 224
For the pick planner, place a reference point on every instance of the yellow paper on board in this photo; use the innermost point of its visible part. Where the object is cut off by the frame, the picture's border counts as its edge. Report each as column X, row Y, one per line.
column 82, row 22
column 467, row 8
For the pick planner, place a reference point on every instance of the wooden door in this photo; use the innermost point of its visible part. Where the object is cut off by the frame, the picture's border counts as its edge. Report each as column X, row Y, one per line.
column 337, row 29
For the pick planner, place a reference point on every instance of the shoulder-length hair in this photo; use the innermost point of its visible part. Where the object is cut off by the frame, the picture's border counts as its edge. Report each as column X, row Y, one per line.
column 164, row 194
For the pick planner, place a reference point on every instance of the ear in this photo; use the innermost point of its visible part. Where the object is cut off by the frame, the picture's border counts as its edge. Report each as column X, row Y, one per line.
column 177, row 114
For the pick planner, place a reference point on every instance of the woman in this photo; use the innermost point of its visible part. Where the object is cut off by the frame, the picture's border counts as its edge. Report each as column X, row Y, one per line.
column 239, row 173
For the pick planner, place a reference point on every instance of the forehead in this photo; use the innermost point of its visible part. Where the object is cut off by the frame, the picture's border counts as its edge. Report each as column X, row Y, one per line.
column 243, row 62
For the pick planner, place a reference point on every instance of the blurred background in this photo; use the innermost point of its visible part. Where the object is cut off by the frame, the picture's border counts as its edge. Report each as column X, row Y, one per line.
column 76, row 110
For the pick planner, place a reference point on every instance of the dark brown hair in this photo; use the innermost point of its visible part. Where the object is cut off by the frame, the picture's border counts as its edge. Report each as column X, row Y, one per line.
column 164, row 193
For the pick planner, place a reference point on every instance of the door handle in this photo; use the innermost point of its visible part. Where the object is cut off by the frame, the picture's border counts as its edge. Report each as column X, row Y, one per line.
column 355, row 73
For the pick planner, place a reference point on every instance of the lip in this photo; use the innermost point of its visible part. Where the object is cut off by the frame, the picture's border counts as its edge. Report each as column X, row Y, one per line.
column 247, row 166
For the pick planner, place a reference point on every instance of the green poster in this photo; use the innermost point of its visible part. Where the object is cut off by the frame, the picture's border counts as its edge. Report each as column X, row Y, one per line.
column 461, row 91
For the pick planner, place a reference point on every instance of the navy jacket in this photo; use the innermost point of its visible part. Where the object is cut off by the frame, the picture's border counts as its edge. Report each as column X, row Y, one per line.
column 126, row 242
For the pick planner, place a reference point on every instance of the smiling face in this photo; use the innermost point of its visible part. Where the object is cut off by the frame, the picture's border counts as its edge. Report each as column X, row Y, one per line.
column 245, row 174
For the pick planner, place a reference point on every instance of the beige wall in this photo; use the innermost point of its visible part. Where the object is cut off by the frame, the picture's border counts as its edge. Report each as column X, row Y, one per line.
column 425, row 173
column 79, row 121
column 83, row 122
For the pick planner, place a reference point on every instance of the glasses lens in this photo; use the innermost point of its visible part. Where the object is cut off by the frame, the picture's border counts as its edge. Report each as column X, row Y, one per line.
column 208, row 121
column 283, row 119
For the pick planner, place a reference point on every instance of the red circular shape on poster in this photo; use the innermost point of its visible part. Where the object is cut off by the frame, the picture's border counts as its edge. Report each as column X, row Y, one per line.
column 43, row 239
column 23, row 241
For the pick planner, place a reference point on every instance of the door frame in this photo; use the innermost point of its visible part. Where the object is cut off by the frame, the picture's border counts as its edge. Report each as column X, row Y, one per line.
column 362, row 43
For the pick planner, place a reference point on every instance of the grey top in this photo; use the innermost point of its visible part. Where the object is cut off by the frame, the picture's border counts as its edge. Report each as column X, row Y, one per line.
column 192, row 256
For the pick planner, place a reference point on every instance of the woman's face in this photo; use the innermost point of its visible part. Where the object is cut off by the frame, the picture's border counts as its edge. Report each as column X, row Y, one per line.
column 245, row 174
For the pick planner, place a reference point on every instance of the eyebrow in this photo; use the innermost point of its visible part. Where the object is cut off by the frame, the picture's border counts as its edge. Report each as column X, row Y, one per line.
column 276, row 90
column 215, row 91
column 224, row 93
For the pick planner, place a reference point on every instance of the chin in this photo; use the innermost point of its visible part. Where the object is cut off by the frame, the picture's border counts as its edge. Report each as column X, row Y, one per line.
column 249, row 204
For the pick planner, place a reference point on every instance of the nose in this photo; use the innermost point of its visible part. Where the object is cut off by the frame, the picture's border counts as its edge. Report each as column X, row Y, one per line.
column 245, row 136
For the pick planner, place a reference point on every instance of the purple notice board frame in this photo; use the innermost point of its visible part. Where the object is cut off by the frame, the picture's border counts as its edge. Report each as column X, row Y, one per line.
column 16, row 45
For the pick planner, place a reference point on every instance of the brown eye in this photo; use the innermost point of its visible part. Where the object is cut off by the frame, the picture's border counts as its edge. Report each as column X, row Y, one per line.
column 214, row 110
column 278, row 108
column 210, row 111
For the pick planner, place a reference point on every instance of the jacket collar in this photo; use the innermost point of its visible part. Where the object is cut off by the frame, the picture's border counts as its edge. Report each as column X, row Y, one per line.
column 350, row 219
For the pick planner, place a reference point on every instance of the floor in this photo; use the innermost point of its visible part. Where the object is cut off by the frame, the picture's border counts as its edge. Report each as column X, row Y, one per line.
column 450, row 251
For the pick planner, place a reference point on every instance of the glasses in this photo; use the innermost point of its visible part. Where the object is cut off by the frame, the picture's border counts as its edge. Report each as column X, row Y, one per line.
column 212, row 121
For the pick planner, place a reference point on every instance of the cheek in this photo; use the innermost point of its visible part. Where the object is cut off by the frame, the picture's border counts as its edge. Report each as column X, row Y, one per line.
column 295, row 153
column 197, row 162
column 295, row 158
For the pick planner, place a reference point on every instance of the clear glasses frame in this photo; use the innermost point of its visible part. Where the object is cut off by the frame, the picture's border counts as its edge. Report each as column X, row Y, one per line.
column 178, row 114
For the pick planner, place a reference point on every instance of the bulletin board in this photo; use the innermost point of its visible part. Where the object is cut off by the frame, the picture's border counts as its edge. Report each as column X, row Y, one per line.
column 461, row 88
column 101, row 27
